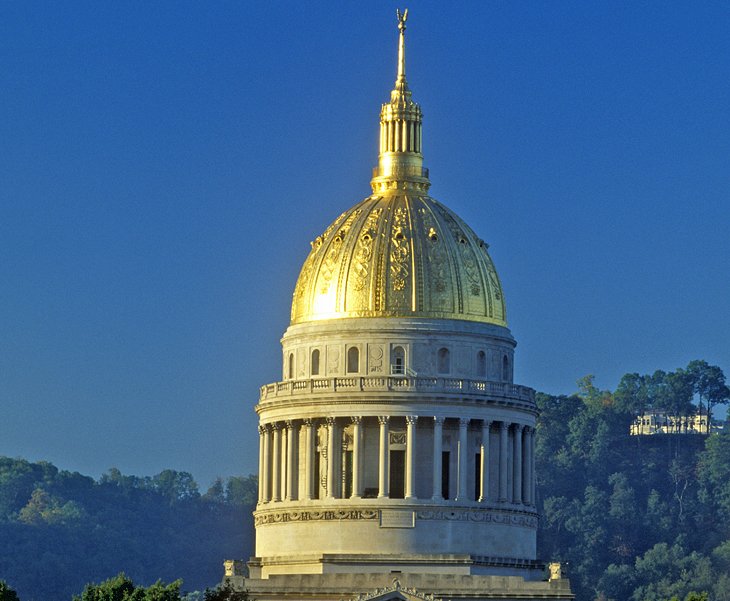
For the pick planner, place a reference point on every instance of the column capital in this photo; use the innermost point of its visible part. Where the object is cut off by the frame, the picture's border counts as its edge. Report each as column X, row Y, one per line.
column 437, row 419
column 275, row 426
column 263, row 429
column 308, row 421
column 356, row 419
column 503, row 425
column 464, row 422
column 411, row 419
column 487, row 423
column 289, row 424
column 330, row 421
column 518, row 427
column 383, row 420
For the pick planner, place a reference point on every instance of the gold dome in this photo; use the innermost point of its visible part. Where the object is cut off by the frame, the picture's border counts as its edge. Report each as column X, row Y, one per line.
column 399, row 253
column 399, row 256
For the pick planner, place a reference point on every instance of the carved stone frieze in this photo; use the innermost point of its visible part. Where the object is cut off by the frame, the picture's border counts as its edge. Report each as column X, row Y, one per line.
column 279, row 517
column 458, row 514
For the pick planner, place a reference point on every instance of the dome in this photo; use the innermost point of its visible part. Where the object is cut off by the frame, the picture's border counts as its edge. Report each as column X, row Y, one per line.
column 398, row 255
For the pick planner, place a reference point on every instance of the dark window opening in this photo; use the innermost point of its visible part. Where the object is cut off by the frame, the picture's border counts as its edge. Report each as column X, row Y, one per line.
column 353, row 360
column 477, row 475
column 347, row 474
column 399, row 361
column 445, row 474
column 444, row 361
column 315, row 362
column 481, row 364
column 397, row 474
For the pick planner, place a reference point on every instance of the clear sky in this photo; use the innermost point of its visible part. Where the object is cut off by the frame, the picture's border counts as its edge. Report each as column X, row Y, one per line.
column 164, row 165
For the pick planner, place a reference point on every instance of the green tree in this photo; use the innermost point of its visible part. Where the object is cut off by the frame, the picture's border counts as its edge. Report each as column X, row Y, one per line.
column 121, row 588
column 225, row 592
column 664, row 572
column 242, row 490
column 708, row 382
column 6, row 593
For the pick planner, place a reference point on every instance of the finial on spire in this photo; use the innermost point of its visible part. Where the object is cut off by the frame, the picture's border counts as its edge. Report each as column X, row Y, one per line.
column 401, row 79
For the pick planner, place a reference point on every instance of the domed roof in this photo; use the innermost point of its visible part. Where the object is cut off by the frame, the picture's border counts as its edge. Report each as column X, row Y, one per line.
column 399, row 255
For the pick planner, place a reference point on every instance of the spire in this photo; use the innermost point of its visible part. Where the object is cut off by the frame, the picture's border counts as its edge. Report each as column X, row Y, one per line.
column 400, row 162
column 400, row 82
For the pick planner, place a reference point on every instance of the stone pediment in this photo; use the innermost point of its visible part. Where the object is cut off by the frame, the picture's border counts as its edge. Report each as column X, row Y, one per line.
column 395, row 593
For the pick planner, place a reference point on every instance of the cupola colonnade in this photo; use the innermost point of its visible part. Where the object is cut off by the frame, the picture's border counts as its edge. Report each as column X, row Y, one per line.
column 411, row 457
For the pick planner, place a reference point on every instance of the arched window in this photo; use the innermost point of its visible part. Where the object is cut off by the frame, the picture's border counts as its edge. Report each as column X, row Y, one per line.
column 444, row 361
column 505, row 368
column 315, row 362
column 291, row 366
column 481, row 364
column 398, row 365
column 353, row 360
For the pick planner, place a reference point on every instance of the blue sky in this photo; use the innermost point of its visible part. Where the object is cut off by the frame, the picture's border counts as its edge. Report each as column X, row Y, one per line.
column 163, row 167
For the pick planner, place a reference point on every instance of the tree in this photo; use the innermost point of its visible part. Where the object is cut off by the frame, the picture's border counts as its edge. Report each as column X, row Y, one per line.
column 6, row 593
column 708, row 383
column 121, row 588
column 225, row 592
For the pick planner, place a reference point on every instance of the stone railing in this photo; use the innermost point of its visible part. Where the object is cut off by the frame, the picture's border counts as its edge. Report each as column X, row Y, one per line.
column 480, row 388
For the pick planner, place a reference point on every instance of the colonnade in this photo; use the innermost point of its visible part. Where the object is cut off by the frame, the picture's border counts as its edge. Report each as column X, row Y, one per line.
column 280, row 459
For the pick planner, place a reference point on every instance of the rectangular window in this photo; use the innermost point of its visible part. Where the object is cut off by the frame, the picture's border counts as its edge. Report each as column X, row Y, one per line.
column 477, row 475
column 397, row 474
column 347, row 474
column 445, row 474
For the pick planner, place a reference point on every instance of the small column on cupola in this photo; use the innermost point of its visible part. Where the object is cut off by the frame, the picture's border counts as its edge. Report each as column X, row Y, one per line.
column 400, row 160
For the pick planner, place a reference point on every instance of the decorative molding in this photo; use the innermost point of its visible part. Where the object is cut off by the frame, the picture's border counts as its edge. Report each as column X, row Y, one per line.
column 280, row 517
column 466, row 515
column 406, row 593
column 397, row 437
column 456, row 515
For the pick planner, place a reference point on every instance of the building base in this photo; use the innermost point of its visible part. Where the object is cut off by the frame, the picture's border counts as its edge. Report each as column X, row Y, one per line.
column 401, row 586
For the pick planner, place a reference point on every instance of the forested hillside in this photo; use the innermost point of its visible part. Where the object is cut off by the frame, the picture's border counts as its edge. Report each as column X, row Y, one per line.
column 634, row 518
column 60, row 530
column 640, row 518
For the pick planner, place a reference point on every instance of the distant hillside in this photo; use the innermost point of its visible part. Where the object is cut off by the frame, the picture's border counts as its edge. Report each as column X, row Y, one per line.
column 636, row 518
column 60, row 530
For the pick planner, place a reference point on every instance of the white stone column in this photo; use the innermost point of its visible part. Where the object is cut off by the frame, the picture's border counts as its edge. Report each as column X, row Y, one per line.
column 383, row 471
column 264, row 488
column 284, row 474
column 276, row 463
column 331, row 458
column 291, row 468
column 462, row 494
column 262, row 433
column 484, row 468
column 503, row 449
column 517, row 464
column 356, row 457
column 438, row 442
column 411, row 421
column 309, row 459
column 526, row 463
column 533, row 476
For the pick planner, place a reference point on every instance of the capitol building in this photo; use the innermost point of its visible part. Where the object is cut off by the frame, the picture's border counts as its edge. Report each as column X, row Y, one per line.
column 397, row 454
